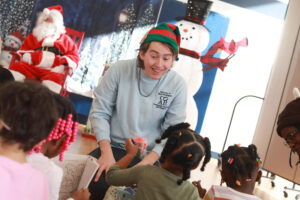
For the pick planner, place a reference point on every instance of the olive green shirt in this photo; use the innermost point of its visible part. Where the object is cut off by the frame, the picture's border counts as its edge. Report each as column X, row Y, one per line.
column 152, row 183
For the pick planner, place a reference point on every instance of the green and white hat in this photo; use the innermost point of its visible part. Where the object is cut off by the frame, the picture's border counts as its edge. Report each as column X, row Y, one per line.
column 164, row 32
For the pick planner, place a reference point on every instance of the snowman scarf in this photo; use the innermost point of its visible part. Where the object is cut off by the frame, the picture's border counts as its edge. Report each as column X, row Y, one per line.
column 209, row 60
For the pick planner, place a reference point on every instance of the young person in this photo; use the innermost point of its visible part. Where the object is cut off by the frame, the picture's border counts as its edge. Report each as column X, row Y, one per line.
column 288, row 127
column 57, row 142
column 240, row 172
column 183, row 152
column 138, row 98
column 26, row 118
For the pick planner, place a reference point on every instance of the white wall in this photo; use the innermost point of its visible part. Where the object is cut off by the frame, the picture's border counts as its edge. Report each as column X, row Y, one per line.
column 285, row 76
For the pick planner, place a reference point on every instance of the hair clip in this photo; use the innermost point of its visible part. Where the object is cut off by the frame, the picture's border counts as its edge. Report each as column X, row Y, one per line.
column 248, row 179
column 180, row 134
column 189, row 155
column 258, row 160
column 238, row 183
column 230, row 161
column 5, row 125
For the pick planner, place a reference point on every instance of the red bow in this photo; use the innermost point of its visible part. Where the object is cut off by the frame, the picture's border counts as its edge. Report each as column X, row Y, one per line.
column 208, row 58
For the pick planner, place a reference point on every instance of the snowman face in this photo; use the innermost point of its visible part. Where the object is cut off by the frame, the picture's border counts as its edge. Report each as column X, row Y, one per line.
column 193, row 36
column 9, row 42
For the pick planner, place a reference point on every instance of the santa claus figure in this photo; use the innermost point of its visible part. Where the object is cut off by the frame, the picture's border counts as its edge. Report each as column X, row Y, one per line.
column 47, row 54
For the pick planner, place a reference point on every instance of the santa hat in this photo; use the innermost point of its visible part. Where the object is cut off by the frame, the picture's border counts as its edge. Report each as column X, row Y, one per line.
column 290, row 116
column 166, row 33
column 16, row 36
column 57, row 8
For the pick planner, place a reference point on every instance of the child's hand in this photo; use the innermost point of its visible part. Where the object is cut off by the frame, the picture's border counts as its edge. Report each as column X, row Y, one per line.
column 82, row 194
column 201, row 190
column 131, row 148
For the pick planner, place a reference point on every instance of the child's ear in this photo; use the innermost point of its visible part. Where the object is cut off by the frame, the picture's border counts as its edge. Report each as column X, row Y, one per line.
column 58, row 142
column 259, row 174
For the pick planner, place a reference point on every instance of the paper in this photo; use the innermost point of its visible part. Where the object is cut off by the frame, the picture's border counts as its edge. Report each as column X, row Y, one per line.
column 88, row 172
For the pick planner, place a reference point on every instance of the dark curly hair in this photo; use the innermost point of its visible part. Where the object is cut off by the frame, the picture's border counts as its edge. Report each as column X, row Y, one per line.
column 241, row 161
column 186, row 148
column 28, row 109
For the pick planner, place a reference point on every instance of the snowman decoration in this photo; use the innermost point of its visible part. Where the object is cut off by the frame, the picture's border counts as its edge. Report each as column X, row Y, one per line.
column 194, row 39
column 11, row 43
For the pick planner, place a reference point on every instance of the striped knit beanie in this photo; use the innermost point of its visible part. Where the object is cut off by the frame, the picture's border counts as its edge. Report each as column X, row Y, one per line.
column 164, row 32
column 290, row 116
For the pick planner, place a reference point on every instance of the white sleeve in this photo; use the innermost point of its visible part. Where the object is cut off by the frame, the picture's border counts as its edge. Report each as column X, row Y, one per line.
column 54, row 178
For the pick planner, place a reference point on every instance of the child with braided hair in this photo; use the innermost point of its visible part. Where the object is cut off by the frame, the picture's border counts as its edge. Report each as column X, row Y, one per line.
column 182, row 152
column 57, row 142
column 240, row 172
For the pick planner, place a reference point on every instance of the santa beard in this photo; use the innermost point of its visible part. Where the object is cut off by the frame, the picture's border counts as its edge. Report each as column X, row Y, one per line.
column 45, row 29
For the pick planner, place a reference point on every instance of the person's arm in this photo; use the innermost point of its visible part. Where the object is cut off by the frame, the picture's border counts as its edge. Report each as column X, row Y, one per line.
column 125, row 177
column 103, row 107
column 201, row 190
column 131, row 151
column 106, row 160
column 150, row 159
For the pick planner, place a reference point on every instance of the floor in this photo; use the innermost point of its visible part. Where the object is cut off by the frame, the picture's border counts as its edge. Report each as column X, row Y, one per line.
column 211, row 175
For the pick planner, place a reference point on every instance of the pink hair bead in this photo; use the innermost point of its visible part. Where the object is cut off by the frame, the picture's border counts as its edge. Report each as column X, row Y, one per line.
column 62, row 127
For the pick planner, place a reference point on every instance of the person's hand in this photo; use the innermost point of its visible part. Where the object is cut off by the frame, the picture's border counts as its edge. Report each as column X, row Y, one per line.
column 201, row 190
column 105, row 161
column 132, row 149
column 82, row 194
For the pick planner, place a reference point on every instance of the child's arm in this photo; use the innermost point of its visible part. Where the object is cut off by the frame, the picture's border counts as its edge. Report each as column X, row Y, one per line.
column 131, row 151
column 201, row 190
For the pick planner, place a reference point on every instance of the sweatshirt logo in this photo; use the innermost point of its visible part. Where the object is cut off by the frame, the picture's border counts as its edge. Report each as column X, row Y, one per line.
column 162, row 103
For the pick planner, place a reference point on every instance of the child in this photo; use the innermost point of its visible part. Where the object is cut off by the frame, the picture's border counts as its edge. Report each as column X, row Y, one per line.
column 61, row 136
column 26, row 118
column 183, row 152
column 240, row 172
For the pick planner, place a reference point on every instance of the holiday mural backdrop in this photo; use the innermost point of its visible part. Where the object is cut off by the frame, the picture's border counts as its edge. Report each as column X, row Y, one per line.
column 112, row 29
column 200, row 81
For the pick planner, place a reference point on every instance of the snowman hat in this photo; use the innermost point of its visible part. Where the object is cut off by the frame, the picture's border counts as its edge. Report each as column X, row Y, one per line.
column 16, row 36
column 197, row 11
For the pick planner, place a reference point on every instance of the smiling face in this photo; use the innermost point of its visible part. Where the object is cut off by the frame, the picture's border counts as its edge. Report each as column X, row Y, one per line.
column 292, row 137
column 157, row 59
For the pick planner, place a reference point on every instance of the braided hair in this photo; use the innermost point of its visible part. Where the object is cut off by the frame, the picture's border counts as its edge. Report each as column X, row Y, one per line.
column 186, row 148
column 67, row 124
column 241, row 161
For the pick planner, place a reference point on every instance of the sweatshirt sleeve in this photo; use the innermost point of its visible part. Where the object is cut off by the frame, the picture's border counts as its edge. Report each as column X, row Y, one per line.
column 176, row 112
column 104, row 103
column 124, row 177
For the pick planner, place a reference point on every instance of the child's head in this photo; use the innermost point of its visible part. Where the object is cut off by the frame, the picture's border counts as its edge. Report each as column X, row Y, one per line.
column 5, row 75
column 240, row 166
column 26, row 114
column 65, row 131
column 185, row 148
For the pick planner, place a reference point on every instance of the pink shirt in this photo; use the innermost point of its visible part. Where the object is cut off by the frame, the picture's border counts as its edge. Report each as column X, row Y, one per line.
column 21, row 181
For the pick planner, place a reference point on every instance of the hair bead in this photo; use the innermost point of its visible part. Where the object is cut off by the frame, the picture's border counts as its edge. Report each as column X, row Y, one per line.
column 68, row 127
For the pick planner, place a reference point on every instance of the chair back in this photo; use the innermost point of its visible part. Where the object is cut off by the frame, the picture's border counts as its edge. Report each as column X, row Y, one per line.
column 76, row 36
